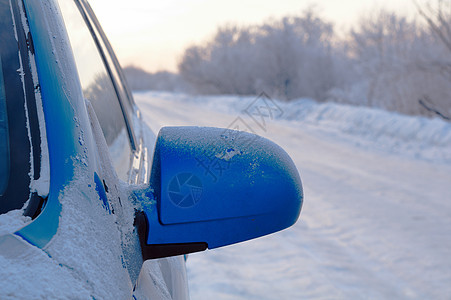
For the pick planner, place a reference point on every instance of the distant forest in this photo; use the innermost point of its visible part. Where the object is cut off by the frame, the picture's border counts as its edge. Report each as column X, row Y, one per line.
column 385, row 61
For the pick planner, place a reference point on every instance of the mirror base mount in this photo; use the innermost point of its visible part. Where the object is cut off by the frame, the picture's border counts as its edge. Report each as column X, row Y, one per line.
column 162, row 250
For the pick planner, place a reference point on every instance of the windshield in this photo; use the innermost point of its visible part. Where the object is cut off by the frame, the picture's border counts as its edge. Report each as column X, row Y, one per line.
column 16, row 113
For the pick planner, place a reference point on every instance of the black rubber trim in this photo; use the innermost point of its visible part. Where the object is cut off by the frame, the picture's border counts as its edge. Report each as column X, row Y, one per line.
column 161, row 250
column 35, row 206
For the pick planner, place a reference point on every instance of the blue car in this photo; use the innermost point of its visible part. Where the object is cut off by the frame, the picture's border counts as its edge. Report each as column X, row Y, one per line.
column 93, row 204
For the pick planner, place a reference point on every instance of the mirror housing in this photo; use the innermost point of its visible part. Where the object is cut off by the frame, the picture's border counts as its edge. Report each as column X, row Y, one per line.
column 212, row 187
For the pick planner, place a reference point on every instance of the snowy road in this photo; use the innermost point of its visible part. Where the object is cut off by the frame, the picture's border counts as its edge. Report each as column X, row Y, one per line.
column 375, row 224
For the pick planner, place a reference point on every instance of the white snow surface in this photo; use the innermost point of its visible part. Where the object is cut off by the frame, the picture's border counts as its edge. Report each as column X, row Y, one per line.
column 12, row 221
column 376, row 220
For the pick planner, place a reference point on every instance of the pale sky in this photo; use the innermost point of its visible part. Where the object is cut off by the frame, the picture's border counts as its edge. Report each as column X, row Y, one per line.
column 153, row 34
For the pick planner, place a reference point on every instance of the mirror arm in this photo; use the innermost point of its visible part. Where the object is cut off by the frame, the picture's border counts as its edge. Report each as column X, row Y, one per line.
column 161, row 250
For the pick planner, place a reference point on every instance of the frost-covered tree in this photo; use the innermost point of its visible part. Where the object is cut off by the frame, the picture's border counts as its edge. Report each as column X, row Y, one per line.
column 438, row 18
column 289, row 58
column 393, row 57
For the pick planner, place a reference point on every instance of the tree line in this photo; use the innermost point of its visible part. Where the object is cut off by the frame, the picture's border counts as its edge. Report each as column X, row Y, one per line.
column 385, row 61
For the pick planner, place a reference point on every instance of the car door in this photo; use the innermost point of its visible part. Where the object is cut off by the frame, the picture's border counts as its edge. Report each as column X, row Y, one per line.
column 130, row 142
column 109, row 102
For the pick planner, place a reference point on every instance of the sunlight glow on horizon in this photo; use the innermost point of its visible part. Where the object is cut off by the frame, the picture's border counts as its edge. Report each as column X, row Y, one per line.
column 152, row 35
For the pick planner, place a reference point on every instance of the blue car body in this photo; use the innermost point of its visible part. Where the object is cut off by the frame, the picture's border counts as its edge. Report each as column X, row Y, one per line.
column 97, row 218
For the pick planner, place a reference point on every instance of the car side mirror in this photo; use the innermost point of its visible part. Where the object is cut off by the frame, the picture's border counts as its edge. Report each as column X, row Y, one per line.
column 212, row 187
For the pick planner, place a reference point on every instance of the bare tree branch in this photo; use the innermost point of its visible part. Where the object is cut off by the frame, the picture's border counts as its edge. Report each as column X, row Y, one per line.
column 427, row 105
column 437, row 22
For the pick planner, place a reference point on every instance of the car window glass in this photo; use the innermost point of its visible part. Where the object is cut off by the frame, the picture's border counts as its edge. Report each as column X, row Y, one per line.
column 113, row 66
column 112, row 61
column 19, row 130
column 98, row 87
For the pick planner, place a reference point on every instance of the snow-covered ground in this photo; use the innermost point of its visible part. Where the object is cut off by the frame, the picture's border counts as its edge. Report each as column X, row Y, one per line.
column 376, row 221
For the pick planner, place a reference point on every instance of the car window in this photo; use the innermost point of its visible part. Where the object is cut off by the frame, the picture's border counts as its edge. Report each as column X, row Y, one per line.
column 116, row 71
column 112, row 64
column 20, row 150
column 98, row 87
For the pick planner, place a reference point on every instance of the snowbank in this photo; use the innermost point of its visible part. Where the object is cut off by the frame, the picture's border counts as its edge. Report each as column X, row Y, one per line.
column 418, row 137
